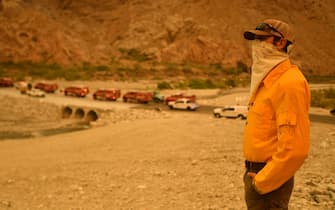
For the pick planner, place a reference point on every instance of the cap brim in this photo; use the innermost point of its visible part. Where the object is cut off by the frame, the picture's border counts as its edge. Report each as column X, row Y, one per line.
column 251, row 34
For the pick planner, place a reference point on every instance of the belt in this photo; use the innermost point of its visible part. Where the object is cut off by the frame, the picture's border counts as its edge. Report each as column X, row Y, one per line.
column 254, row 166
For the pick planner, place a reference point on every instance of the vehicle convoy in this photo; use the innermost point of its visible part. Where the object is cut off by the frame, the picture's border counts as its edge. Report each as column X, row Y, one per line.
column 178, row 96
column 237, row 111
column 78, row 91
column 138, row 97
column 46, row 87
column 107, row 94
column 6, row 82
column 183, row 103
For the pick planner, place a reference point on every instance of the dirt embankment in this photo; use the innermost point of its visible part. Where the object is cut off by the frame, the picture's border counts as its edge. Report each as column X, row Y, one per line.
column 20, row 117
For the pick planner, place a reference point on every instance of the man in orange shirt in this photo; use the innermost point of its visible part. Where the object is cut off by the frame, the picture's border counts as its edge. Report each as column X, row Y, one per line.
column 276, row 138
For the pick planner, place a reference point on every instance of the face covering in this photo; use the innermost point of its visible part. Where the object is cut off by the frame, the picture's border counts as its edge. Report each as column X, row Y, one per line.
column 265, row 56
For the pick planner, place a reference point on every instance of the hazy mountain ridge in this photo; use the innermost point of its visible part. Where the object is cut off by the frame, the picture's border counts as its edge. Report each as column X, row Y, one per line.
column 71, row 32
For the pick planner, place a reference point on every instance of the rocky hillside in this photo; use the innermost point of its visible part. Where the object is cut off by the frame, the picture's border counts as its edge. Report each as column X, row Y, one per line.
column 73, row 32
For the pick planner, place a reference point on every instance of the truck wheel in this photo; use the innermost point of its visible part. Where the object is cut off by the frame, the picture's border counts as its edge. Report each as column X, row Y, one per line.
column 217, row 115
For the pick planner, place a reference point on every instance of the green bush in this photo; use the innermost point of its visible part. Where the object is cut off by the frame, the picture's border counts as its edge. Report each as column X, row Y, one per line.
column 320, row 78
column 242, row 67
column 216, row 66
column 201, row 84
column 231, row 83
column 324, row 98
column 171, row 66
column 181, row 85
column 164, row 85
column 329, row 93
column 187, row 69
column 102, row 68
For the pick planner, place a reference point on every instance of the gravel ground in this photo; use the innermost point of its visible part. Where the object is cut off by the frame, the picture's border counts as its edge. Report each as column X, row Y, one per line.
column 144, row 159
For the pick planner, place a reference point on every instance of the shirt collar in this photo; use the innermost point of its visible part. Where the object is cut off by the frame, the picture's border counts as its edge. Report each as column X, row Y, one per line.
column 276, row 72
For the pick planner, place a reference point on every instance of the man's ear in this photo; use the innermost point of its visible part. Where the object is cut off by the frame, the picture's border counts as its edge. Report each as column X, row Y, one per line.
column 289, row 48
column 282, row 43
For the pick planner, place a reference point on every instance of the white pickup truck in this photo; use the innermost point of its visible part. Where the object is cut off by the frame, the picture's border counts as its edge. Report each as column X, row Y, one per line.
column 231, row 112
column 183, row 103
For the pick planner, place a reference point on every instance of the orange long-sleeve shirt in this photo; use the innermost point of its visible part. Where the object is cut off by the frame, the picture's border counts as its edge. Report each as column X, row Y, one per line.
column 277, row 128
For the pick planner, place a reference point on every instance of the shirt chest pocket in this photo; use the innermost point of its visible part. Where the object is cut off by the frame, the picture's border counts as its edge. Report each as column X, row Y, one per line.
column 262, row 115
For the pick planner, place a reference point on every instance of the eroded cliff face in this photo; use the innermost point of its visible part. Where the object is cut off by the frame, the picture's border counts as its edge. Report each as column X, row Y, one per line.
column 60, row 31
column 71, row 32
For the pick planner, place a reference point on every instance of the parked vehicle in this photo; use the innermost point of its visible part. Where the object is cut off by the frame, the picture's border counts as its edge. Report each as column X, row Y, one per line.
column 332, row 111
column 183, row 103
column 139, row 97
column 35, row 93
column 237, row 111
column 107, row 94
column 78, row 91
column 23, row 86
column 157, row 97
column 6, row 82
column 178, row 96
column 46, row 87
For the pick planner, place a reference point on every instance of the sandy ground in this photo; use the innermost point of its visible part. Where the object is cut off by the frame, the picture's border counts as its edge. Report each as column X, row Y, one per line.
column 152, row 160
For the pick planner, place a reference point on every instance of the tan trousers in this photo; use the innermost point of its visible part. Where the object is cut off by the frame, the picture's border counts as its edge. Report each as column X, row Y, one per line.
column 275, row 200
